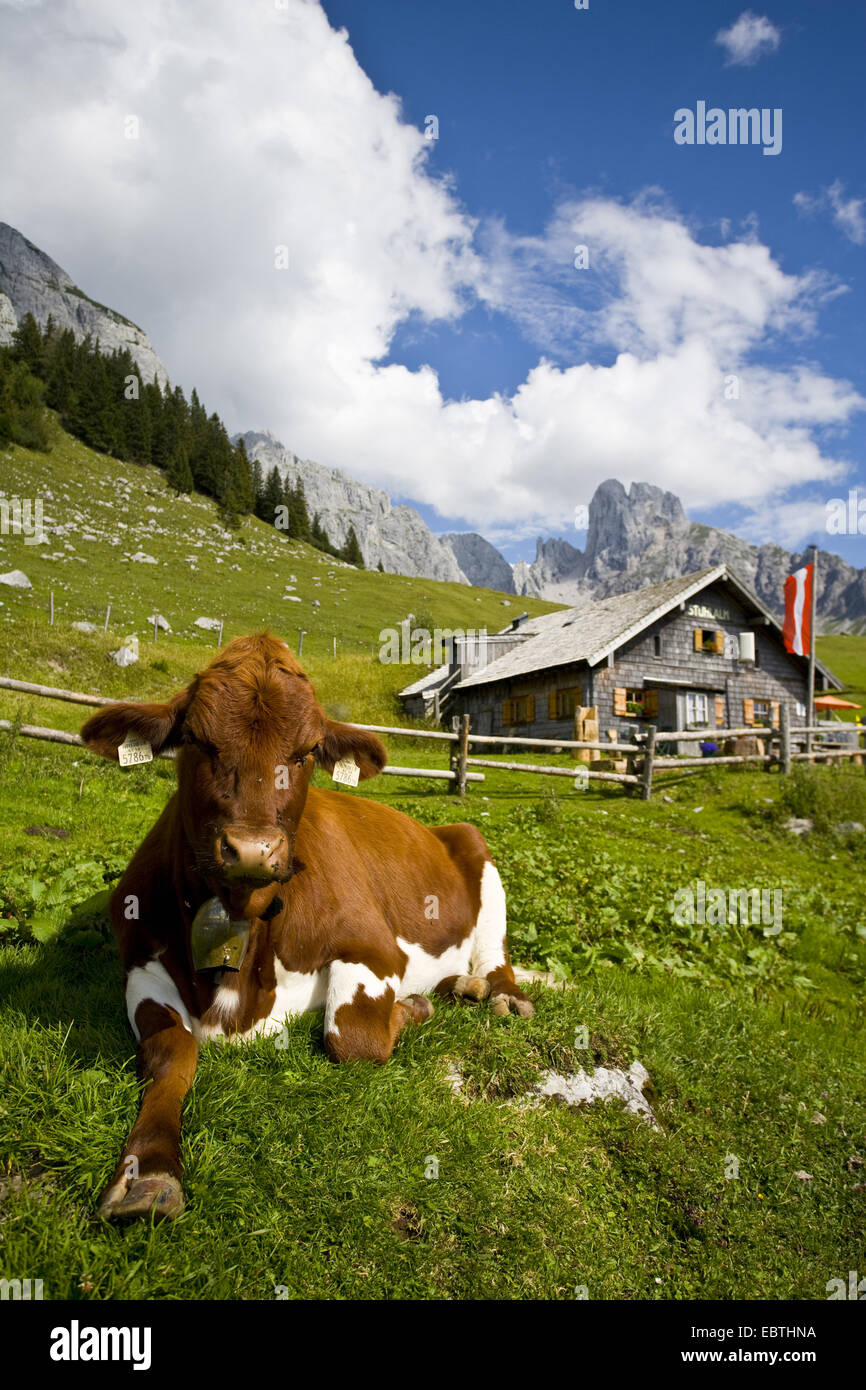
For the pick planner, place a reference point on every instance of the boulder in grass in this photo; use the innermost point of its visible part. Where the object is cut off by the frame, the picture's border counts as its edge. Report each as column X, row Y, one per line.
column 127, row 652
column 16, row 579
column 210, row 624
column 161, row 622
column 87, row 627
column 603, row 1083
column 798, row 825
column 142, row 558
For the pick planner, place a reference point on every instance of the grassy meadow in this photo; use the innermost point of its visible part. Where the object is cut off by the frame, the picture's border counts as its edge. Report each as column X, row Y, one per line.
column 306, row 1180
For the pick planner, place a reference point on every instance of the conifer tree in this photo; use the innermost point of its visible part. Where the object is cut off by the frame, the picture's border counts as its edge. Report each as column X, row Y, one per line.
column 179, row 474
column 351, row 551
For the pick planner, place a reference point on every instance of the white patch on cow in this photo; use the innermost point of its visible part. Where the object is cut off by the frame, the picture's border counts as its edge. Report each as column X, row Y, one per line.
column 297, row 992
column 425, row 971
column 488, row 938
column 344, row 978
column 152, row 981
column 227, row 1001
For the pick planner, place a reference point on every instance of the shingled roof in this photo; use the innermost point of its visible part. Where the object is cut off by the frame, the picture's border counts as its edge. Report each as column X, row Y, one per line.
column 592, row 633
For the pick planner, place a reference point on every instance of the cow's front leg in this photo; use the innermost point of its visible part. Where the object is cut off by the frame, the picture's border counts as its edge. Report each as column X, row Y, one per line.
column 148, row 1177
column 363, row 1016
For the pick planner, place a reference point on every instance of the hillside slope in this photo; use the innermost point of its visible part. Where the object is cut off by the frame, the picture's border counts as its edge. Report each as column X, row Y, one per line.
column 116, row 534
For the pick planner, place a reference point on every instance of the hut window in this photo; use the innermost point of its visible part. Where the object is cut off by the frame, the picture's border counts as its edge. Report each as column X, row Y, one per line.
column 708, row 639
column 563, row 704
column 631, row 701
column 657, row 644
column 518, row 711
column 763, row 713
column 697, row 709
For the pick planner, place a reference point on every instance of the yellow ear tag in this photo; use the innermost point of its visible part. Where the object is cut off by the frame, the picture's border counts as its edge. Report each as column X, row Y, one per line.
column 347, row 772
column 134, row 750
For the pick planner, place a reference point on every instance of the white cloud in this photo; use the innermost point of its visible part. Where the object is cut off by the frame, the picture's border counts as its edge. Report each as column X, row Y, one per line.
column 259, row 129
column 749, row 38
column 849, row 215
column 786, row 523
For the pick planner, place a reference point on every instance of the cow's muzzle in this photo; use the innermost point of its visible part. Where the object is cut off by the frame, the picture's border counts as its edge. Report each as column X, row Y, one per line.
column 259, row 856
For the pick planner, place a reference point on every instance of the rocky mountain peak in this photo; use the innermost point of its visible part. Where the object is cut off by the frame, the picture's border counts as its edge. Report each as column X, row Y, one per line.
column 622, row 524
column 32, row 283
column 394, row 536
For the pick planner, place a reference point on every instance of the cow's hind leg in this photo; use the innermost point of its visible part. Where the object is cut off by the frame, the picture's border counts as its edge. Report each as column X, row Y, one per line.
column 147, row 1180
column 363, row 1016
column 490, row 966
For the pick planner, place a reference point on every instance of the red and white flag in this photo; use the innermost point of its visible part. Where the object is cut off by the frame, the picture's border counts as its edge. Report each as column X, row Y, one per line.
column 797, row 627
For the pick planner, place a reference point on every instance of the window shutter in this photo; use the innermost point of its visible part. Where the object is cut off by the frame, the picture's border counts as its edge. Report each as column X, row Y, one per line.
column 553, row 710
column 508, row 711
column 619, row 700
column 720, row 643
column 776, row 713
column 720, row 711
column 699, row 639
column 529, row 706
column 748, row 711
column 651, row 704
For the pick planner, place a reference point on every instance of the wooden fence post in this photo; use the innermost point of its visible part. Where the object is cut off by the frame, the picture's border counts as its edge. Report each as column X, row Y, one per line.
column 785, row 731
column 649, row 754
column 107, row 616
column 462, row 755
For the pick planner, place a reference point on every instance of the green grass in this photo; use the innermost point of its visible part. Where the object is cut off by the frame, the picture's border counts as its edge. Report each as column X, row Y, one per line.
column 311, row 1177
column 846, row 658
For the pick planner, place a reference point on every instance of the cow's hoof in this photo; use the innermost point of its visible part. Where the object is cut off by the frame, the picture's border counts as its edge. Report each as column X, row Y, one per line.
column 503, row 1004
column 471, row 987
column 418, row 1007
column 160, row 1196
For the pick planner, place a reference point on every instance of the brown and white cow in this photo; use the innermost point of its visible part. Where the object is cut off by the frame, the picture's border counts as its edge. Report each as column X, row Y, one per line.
column 352, row 907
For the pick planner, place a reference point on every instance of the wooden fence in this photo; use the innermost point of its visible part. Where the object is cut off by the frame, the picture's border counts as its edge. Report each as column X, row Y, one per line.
column 643, row 763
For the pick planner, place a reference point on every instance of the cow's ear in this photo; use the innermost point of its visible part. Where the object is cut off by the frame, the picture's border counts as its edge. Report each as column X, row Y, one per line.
column 159, row 725
column 344, row 741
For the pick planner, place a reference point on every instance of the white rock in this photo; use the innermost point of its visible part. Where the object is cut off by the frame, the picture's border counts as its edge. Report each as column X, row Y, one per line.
column 293, row 598
column 161, row 622
column 16, row 579
column 211, row 624
column 86, row 627
column 127, row 652
column 142, row 558
column 798, row 825
column 605, row 1083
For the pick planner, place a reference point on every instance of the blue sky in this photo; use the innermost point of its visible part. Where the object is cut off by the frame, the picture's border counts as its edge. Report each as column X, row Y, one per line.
column 424, row 326
column 537, row 102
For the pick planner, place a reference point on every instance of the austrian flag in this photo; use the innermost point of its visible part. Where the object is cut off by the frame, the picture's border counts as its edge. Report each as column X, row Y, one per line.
column 797, row 627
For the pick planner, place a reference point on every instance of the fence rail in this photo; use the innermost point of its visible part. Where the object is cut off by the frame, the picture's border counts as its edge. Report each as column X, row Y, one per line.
column 641, row 759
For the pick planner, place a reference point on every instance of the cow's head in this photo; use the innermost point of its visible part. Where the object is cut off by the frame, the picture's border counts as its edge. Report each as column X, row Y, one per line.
column 249, row 730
